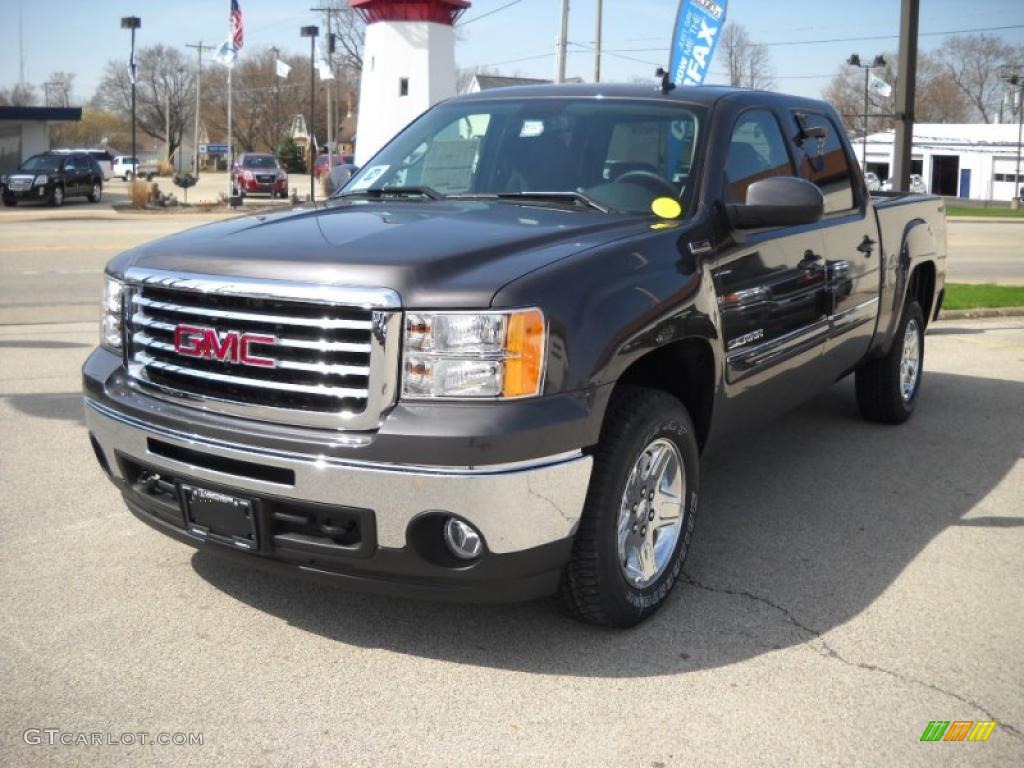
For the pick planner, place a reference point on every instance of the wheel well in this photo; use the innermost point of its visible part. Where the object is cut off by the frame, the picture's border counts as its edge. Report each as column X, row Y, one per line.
column 922, row 287
column 684, row 369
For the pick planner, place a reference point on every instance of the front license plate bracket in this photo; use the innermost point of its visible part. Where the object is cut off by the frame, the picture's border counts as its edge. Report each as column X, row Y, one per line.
column 219, row 517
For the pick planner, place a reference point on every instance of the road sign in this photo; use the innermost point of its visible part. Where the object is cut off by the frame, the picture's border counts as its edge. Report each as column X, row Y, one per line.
column 214, row 149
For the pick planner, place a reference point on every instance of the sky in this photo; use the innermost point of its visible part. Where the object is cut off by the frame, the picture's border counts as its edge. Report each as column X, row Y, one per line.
column 82, row 35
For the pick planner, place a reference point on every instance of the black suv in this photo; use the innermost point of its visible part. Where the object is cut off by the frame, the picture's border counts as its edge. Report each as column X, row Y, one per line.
column 53, row 177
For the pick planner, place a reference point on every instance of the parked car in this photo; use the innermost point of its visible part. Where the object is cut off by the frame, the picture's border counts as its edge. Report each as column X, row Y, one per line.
column 126, row 168
column 53, row 177
column 256, row 173
column 872, row 182
column 320, row 163
column 917, row 184
column 490, row 367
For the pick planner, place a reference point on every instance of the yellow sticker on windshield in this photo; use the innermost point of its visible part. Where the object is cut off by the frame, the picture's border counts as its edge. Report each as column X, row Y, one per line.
column 667, row 208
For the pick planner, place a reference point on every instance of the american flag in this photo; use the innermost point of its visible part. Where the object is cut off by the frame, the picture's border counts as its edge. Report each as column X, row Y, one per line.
column 236, row 25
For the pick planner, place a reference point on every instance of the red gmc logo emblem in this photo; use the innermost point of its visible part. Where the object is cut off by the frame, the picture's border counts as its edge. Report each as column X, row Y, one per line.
column 229, row 346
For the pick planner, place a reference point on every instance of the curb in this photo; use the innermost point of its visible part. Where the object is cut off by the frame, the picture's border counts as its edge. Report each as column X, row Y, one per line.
column 980, row 312
column 986, row 219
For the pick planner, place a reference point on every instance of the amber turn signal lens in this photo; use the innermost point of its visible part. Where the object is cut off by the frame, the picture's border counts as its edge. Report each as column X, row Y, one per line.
column 524, row 347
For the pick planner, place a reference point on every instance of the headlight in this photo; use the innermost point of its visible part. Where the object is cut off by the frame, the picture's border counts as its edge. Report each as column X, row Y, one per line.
column 112, row 325
column 41, row 179
column 471, row 355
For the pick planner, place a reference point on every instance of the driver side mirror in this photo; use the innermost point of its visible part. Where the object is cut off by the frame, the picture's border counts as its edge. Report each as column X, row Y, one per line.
column 778, row 201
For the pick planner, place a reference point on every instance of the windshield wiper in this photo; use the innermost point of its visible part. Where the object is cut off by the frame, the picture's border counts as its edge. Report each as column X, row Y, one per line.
column 377, row 194
column 578, row 198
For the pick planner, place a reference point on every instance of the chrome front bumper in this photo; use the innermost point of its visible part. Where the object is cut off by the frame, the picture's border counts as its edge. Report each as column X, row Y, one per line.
column 516, row 507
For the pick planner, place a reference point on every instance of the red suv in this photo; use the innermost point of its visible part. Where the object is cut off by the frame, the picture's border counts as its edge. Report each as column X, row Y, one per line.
column 320, row 163
column 260, row 173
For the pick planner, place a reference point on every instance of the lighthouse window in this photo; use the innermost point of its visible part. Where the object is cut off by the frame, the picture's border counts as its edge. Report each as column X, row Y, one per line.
column 403, row 86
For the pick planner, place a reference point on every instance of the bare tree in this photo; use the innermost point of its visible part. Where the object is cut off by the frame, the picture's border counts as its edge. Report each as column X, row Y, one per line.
column 973, row 63
column 749, row 63
column 21, row 95
column 165, row 88
column 350, row 29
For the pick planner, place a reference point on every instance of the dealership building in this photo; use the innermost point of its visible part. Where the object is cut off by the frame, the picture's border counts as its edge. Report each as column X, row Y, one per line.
column 25, row 131
column 969, row 160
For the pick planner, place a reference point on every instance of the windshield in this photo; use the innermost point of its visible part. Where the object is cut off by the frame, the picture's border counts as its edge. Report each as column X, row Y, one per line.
column 623, row 154
column 43, row 163
column 259, row 161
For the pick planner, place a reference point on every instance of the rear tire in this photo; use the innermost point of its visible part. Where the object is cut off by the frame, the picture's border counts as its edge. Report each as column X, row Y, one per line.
column 887, row 387
column 97, row 192
column 10, row 203
column 57, row 196
column 604, row 583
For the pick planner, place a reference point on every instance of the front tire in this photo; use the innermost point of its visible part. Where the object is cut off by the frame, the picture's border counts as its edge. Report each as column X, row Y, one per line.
column 638, row 518
column 10, row 202
column 97, row 192
column 887, row 387
column 57, row 196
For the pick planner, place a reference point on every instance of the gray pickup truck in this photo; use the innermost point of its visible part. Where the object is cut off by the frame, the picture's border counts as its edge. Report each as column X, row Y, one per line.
column 487, row 369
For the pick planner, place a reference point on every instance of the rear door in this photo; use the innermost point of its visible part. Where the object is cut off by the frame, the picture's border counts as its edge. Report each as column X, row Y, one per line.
column 850, row 232
column 769, row 282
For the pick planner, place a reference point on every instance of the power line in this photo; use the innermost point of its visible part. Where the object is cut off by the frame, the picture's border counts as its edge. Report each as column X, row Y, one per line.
column 489, row 13
column 840, row 39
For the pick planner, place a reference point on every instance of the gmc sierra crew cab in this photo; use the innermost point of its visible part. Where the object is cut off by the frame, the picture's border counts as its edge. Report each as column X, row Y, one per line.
column 487, row 369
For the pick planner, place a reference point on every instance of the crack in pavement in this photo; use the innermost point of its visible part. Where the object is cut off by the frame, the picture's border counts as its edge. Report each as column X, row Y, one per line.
column 828, row 652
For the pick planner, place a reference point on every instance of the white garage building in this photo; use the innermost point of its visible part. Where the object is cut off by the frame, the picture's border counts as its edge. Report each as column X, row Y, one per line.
column 968, row 160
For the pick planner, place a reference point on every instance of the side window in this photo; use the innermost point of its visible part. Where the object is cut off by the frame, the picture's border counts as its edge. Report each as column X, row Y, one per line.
column 756, row 151
column 821, row 159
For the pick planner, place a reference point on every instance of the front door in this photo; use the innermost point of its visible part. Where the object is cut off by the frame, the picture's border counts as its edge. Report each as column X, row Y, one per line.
column 770, row 282
column 850, row 234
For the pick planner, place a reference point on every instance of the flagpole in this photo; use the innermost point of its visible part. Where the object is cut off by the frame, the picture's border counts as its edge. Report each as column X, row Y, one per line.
column 231, row 147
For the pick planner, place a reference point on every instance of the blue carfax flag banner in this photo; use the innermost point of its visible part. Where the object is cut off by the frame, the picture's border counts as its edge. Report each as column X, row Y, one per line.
column 698, row 26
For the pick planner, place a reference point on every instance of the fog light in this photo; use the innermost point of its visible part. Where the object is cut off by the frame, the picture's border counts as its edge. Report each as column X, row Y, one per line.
column 463, row 539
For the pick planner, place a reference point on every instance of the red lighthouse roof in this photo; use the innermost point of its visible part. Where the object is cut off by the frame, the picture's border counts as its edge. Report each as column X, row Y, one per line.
column 437, row 11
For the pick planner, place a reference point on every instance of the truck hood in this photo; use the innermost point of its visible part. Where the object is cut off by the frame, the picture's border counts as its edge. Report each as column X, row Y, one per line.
column 441, row 254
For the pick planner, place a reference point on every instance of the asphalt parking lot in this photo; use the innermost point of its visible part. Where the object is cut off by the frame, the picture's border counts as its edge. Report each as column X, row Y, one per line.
column 848, row 584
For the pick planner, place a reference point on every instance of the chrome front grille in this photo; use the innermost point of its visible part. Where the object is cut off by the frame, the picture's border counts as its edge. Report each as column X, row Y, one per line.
column 327, row 355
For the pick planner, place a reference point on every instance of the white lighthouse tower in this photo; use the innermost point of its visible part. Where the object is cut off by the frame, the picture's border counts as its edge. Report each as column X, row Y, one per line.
column 408, row 65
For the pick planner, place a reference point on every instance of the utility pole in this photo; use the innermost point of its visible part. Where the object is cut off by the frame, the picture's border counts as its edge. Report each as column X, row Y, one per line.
column 328, row 84
column 199, row 82
column 597, row 44
column 1014, row 79
column 563, row 40
column 906, row 85
column 277, row 102
column 21, row 46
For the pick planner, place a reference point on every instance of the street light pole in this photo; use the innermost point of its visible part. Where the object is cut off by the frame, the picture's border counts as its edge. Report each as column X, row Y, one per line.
column 133, row 23
column 311, row 32
column 597, row 41
column 854, row 61
column 1014, row 79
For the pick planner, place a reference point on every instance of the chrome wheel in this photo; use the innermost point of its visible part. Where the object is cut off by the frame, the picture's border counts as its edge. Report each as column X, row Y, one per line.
column 910, row 362
column 651, row 513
